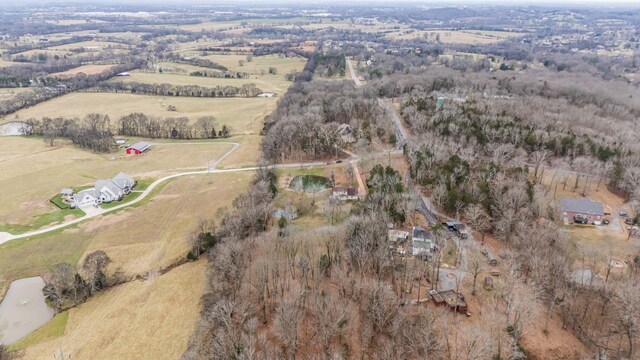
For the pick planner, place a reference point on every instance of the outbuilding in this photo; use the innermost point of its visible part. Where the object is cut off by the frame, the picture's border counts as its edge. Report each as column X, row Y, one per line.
column 138, row 148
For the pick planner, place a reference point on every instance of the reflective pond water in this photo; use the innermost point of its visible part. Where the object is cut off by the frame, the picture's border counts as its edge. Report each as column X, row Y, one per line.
column 23, row 309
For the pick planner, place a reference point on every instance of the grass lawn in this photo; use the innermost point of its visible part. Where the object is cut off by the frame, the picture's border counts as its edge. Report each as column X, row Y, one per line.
column 130, row 197
column 456, row 37
column 148, row 235
column 95, row 45
column 10, row 93
column 259, row 64
column 35, row 171
column 54, row 328
column 35, row 255
column 152, row 318
column 38, row 221
column 450, row 253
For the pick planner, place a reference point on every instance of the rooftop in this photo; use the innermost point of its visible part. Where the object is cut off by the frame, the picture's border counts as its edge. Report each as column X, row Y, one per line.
column 584, row 206
column 420, row 233
column 140, row 146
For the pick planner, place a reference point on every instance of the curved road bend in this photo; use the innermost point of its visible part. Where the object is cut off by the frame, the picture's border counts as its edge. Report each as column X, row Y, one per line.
column 6, row 237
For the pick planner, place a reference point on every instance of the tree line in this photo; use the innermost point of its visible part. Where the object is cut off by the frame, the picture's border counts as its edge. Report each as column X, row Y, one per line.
column 60, row 87
column 195, row 61
column 244, row 90
column 96, row 132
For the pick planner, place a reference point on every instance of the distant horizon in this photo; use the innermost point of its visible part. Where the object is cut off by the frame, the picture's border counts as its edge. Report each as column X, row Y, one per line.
column 551, row 3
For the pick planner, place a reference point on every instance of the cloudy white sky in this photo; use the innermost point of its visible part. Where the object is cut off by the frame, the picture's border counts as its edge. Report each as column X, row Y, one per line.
column 598, row 3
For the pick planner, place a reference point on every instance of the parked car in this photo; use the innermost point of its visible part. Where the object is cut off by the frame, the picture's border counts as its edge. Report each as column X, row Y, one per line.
column 622, row 213
column 628, row 220
column 495, row 272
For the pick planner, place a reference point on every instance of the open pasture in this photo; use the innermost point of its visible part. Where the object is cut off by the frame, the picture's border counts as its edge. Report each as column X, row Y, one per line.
column 34, row 172
column 157, row 316
column 85, row 69
column 259, row 64
column 243, row 115
column 147, row 236
column 455, row 36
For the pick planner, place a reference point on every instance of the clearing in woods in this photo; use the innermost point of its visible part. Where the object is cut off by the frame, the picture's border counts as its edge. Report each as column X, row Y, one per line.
column 154, row 318
column 35, row 172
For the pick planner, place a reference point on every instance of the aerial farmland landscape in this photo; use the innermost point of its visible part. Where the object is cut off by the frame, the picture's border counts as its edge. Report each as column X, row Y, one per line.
column 340, row 180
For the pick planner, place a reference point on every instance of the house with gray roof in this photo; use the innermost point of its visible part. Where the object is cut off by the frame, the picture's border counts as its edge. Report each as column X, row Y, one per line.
column 105, row 191
column 582, row 211
column 422, row 241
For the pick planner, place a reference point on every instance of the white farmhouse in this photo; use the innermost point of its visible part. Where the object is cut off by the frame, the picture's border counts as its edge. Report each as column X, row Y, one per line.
column 105, row 191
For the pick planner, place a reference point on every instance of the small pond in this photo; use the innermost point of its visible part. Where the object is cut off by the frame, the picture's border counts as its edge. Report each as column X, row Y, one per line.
column 23, row 310
column 309, row 183
column 14, row 128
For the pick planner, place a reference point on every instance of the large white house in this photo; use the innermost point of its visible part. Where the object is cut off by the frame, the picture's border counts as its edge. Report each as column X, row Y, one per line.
column 105, row 191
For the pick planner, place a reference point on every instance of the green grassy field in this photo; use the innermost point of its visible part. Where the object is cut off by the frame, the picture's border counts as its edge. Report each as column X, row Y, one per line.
column 56, row 216
column 36, row 255
column 127, row 199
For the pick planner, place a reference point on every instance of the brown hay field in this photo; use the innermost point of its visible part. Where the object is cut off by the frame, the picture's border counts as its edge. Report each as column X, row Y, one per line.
column 86, row 69
column 145, row 237
column 34, row 172
column 138, row 320
column 238, row 113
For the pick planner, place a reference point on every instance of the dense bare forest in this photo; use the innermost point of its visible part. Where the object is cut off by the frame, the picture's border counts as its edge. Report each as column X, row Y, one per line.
column 444, row 141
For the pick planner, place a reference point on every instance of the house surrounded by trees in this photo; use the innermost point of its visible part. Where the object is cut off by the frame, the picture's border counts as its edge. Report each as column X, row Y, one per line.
column 582, row 211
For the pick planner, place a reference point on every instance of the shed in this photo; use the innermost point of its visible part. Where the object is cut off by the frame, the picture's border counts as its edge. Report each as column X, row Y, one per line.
column 138, row 148
column 398, row 235
column 455, row 301
column 66, row 192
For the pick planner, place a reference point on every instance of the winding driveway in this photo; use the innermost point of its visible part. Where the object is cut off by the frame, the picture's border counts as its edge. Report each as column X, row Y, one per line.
column 211, row 169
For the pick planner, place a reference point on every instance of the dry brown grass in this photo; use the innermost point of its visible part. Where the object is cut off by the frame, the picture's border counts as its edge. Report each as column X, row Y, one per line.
column 239, row 113
column 10, row 93
column 34, row 172
column 86, row 69
column 155, row 234
column 95, row 45
column 138, row 320
column 455, row 37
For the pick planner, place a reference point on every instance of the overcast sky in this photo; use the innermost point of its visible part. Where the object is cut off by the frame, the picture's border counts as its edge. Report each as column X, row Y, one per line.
column 598, row 3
